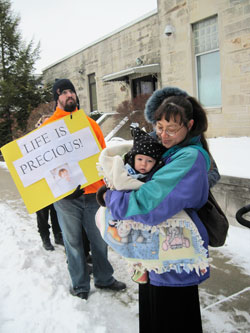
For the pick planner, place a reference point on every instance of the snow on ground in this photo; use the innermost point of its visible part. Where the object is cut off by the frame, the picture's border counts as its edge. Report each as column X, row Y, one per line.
column 232, row 155
column 34, row 294
column 237, row 248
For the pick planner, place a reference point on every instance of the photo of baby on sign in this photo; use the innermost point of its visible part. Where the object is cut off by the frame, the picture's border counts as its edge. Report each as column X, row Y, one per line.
column 65, row 178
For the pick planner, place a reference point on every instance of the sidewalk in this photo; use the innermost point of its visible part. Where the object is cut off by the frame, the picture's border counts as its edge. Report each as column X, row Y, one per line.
column 225, row 296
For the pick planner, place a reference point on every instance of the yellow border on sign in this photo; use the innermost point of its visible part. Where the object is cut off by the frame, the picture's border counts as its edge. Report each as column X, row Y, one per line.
column 39, row 195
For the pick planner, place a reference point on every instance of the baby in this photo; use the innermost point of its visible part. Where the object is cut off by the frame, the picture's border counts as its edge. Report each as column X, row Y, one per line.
column 124, row 166
column 127, row 171
column 145, row 156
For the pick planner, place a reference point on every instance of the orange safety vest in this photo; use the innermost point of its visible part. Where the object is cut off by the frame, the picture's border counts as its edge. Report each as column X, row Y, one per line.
column 59, row 113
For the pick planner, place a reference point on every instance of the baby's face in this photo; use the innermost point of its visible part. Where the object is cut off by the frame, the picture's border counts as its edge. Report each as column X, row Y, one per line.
column 144, row 163
column 64, row 174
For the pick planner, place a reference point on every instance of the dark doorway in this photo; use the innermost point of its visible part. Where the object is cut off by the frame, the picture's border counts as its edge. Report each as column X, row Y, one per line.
column 144, row 85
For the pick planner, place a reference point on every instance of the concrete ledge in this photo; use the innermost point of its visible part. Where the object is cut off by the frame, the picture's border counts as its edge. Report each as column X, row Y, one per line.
column 232, row 193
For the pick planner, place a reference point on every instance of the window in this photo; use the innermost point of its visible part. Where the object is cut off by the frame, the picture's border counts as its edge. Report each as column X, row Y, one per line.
column 92, row 92
column 207, row 56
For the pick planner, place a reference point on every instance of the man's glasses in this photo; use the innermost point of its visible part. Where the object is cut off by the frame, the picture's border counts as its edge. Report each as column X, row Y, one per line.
column 160, row 130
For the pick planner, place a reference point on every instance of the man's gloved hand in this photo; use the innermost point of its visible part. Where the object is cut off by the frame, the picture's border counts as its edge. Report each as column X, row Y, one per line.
column 99, row 195
column 76, row 194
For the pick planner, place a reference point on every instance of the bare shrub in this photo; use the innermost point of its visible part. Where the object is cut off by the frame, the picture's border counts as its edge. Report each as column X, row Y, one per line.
column 134, row 109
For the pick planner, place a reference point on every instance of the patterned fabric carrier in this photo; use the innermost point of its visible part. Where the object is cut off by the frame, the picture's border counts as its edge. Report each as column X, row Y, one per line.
column 172, row 245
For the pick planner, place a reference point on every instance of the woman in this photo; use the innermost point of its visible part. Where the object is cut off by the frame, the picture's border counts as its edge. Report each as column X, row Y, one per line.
column 170, row 301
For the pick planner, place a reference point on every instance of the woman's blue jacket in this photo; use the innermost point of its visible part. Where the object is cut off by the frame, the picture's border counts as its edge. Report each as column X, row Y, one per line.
column 182, row 183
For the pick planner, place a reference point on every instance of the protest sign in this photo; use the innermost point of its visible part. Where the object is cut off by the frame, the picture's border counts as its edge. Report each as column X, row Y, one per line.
column 50, row 162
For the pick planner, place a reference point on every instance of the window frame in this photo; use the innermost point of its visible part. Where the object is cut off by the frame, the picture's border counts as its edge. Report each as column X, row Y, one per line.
column 91, row 84
column 197, row 55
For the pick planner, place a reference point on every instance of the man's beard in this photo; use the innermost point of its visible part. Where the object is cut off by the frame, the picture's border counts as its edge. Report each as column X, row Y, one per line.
column 69, row 107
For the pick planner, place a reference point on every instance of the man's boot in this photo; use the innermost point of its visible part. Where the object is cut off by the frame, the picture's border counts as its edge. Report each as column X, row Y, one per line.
column 58, row 238
column 47, row 244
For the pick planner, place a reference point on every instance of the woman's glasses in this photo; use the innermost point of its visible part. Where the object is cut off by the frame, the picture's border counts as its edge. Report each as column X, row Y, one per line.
column 160, row 130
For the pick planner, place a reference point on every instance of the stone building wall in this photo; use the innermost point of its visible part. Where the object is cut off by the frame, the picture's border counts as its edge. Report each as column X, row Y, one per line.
column 177, row 59
column 146, row 39
column 112, row 54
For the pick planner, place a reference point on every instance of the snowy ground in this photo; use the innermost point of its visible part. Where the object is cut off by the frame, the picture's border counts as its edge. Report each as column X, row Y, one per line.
column 34, row 293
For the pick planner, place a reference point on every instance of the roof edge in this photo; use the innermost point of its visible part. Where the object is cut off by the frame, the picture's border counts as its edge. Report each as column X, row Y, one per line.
column 141, row 18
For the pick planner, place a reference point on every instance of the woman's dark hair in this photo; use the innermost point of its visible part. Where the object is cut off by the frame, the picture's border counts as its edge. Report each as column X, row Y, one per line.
column 185, row 108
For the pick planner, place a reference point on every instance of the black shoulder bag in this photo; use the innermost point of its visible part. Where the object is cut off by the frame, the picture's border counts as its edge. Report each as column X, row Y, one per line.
column 215, row 221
